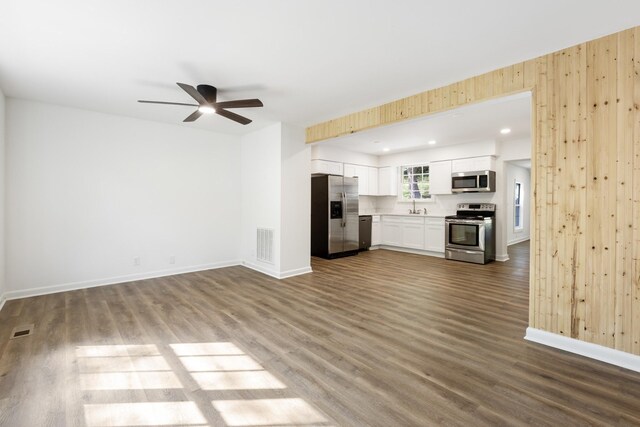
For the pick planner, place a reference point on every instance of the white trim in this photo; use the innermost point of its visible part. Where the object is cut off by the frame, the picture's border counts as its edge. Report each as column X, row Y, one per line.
column 412, row 251
column 593, row 351
column 276, row 274
column 295, row 272
column 261, row 269
column 518, row 240
column 3, row 299
column 44, row 290
column 502, row 258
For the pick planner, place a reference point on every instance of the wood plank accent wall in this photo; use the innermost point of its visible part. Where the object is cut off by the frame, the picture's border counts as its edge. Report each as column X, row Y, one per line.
column 585, row 258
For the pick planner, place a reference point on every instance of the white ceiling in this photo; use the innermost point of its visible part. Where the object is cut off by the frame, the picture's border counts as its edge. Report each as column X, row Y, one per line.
column 474, row 123
column 308, row 61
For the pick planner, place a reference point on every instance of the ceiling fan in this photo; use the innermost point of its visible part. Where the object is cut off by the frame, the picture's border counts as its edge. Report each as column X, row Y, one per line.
column 206, row 96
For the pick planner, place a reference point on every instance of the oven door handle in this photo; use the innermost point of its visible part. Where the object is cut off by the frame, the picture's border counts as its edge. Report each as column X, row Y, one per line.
column 465, row 221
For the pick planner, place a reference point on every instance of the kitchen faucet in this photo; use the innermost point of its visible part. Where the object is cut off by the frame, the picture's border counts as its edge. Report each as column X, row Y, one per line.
column 416, row 211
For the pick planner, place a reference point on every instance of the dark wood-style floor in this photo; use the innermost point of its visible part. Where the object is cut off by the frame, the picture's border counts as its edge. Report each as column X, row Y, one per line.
column 380, row 339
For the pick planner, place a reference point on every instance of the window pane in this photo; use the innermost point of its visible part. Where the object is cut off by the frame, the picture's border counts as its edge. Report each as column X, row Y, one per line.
column 417, row 169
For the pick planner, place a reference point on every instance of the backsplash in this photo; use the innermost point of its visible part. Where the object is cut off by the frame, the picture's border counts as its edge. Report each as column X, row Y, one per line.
column 441, row 205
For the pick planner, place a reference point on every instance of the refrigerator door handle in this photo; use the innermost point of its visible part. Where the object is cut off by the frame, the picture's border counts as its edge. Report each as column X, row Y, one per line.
column 344, row 209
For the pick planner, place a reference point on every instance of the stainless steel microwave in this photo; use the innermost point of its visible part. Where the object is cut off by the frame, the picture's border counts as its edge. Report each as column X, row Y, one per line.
column 473, row 182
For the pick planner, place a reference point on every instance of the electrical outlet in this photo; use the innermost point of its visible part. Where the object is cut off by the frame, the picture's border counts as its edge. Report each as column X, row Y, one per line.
column 136, row 261
column 172, row 259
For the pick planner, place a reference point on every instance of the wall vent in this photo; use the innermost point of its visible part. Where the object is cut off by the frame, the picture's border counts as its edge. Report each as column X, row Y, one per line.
column 264, row 245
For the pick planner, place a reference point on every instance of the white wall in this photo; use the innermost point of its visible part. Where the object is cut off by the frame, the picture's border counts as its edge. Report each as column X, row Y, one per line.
column 89, row 192
column 2, row 196
column 296, row 203
column 260, row 207
column 516, row 173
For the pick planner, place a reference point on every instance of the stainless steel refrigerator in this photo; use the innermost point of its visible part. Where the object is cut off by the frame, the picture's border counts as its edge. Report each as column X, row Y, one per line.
column 334, row 216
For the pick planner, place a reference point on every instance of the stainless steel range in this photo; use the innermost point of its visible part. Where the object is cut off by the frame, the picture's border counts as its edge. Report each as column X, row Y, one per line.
column 470, row 234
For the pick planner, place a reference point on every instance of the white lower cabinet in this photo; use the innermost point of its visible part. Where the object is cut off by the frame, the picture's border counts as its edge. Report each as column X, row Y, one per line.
column 376, row 231
column 412, row 232
column 434, row 234
column 392, row 231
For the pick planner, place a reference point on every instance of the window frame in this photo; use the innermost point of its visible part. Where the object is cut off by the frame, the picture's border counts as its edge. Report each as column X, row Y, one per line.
column 518, row 209
column 401, row 197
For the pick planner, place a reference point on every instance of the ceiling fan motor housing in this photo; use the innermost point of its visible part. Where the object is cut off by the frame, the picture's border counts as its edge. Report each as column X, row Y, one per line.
column 208, row 92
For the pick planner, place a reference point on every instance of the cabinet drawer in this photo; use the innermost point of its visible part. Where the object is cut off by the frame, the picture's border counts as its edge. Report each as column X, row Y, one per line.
column 392, row 219
column 413, row 220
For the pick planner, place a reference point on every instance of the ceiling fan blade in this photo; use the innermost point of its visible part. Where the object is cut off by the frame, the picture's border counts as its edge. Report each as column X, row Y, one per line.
column 233, row 116
column 193, row 93
column 240, row 103
column 168, row 103
column 194, row 116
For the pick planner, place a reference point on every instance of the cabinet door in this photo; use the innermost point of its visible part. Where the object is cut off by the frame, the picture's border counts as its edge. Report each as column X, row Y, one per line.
column 373, row 181
column 462, row 165
column 326, row 167
column 387, row 181
column 440, row 177
column 434, row 234
column 391, row 233
column 413, row 233
column 485, row 163
column 376, row 238
column 362, row 172
column 473, row 164
column 350, row 170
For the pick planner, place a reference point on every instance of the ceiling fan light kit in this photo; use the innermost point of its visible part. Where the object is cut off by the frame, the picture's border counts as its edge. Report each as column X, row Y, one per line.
column 206, row 97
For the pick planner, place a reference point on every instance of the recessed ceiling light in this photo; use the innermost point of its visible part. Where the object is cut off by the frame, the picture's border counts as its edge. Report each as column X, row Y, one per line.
column 432, row 142
column 505, row 131
column 386, row 149
column 206, row 109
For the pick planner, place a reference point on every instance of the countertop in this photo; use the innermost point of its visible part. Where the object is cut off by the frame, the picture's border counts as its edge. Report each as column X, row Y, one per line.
column 406, row 214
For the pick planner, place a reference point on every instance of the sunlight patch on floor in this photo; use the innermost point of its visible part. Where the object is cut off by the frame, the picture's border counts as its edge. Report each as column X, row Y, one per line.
column 129, row 381
column 247, row 380
column 214, row 366
column 117, row 350
column 122, row 364
column 206, row 349
column 220, row 363
column 143, row 414
column 262, row 412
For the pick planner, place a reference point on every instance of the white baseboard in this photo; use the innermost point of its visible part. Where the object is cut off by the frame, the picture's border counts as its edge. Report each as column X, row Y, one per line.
column 518, row 240
column 3, row 299
column 502, row 258
column 412, row 251
column 295, row 272
column 593, row 351
column 274, row 273
column 24, row 293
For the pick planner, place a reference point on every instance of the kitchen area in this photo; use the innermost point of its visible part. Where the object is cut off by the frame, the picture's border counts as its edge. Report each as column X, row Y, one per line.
column 438, row 186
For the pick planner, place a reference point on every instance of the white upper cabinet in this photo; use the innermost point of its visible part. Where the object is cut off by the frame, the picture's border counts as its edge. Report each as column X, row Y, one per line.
column 388, row 181
column 360, row 172
column 473, row 164
column 326, row 167
column 440, row 177
column 373, row 181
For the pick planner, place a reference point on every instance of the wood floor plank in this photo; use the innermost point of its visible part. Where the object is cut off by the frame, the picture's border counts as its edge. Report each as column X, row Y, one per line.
column 383, row 338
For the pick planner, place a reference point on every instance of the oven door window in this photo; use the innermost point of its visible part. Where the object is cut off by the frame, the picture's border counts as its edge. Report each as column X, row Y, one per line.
column 464, row 182
column 464, row 234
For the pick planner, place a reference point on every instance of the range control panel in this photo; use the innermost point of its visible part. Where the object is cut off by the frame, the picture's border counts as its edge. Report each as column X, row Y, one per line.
column 491, row 207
